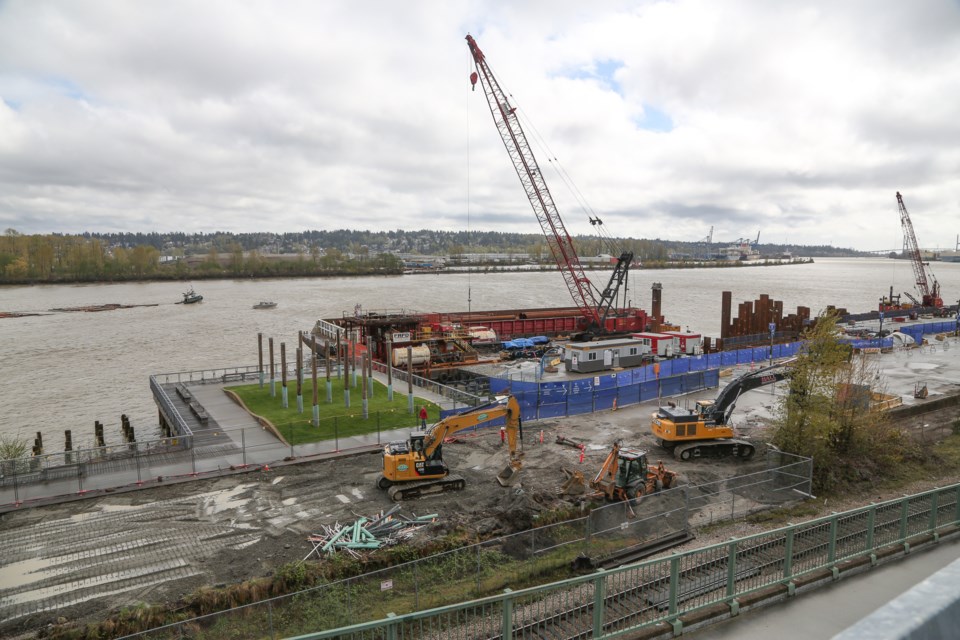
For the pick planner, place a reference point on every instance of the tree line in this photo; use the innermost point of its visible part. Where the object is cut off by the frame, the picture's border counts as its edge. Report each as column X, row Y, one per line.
column 88, row 257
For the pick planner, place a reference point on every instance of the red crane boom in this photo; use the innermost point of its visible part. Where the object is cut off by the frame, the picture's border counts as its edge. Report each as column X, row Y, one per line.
column 930, row 295
column 559, row 241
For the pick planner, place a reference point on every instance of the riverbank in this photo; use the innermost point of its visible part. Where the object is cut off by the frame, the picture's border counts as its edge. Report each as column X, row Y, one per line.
column 181, row 276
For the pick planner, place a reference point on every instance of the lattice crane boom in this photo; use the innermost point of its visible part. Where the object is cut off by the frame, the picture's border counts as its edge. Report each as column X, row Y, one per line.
column 528, row 170
column 930, row 294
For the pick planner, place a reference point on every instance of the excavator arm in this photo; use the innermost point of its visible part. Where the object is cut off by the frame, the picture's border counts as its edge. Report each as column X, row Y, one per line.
column 415, row 467
column 727, row 399
column 503, row 406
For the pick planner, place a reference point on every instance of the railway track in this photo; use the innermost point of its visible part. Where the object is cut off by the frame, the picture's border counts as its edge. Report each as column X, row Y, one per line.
column 642, row 595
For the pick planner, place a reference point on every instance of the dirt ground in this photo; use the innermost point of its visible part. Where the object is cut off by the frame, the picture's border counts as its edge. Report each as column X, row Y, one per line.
column 80, row 560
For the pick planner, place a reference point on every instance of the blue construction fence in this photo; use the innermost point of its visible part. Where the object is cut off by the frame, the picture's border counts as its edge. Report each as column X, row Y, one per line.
column 555, row 399
column 542, row 400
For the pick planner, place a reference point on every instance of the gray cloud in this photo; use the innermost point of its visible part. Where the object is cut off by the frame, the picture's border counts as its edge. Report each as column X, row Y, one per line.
column 800, row 120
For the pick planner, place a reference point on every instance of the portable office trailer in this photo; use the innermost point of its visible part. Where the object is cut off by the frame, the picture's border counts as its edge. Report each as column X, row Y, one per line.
column 602, row 355
column 659, row 344
column 687, row 342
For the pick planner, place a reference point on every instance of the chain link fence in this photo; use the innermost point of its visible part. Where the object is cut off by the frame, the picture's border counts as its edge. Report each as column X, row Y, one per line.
column 543, row 554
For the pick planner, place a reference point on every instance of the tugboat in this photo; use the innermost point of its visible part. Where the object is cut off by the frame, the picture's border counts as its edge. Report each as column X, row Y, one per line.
column 265, row 304
column 190, row 297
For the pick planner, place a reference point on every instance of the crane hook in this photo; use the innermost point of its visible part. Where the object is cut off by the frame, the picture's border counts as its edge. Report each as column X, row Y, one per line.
column 473, row 81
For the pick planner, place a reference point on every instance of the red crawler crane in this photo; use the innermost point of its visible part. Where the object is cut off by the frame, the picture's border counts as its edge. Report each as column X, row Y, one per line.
column 596, row 306
column 930, row 295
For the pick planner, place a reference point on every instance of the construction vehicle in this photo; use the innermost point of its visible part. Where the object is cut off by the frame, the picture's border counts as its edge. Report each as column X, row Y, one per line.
column 601, row 316
column 704, row 430
column 415, row 467
column 929, row 293
column 625, row 475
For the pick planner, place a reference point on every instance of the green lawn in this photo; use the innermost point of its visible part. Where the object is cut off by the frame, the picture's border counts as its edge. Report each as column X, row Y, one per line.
column 336, row 420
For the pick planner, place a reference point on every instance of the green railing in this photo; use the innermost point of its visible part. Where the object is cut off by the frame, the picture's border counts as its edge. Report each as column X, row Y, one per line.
column 609, row 603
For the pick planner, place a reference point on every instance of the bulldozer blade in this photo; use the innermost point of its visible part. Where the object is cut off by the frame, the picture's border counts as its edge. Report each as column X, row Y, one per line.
column 509, row 476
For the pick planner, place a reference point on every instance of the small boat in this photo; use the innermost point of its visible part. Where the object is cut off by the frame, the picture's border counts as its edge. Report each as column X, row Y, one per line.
column 265, row 304
column 191, row 297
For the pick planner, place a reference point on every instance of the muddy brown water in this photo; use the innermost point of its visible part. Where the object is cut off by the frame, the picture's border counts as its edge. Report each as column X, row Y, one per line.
column 65, row 370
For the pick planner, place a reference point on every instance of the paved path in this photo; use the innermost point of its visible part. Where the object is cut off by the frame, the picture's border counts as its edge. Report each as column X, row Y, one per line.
column 829, row 610
column 231, row 439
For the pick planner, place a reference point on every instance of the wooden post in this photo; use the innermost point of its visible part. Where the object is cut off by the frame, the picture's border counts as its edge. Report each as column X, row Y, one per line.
column 316, row 405
column 345, row 350
column 353, row 363
column 390, row 368
column 326, row 360
column 273, row 378
column 363, row 384
column 283, row 374
column 299, row 379
column 370, row 373
column 339, row 351
column 260, row 357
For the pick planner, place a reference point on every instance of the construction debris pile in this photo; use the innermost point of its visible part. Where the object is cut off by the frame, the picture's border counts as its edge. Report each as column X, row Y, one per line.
column 384, row 530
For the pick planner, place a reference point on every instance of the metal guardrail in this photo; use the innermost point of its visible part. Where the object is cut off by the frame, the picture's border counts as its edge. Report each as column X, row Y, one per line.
column 514, row 559
column 631, row 598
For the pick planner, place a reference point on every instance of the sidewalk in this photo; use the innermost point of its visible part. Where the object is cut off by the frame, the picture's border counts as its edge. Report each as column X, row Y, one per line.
column 231, row 441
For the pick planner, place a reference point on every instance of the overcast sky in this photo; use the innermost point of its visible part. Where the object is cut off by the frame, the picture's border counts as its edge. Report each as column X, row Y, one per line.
column 795, row 120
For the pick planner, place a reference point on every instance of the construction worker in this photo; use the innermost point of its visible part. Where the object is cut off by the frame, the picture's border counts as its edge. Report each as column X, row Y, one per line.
column 423, row 417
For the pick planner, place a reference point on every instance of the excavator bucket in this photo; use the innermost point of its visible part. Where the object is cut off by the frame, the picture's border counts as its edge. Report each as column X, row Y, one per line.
column 574, row 485
column 510, row 475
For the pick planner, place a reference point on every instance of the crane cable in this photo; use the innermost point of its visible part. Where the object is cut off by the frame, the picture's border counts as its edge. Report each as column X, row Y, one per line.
column 605, row 237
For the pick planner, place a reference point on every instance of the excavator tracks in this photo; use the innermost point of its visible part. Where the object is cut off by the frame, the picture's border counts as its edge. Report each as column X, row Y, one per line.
column 410, row 490
column 730, row 448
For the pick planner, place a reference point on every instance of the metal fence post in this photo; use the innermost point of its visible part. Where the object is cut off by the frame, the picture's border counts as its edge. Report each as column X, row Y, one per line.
column 599, row 597
column 478, row 569
column 832, row 549
column 416, row 586
column 871, row 524
column 788, row 555
column 136, row 457
column 674, row 583
column 506, row 624
column 903, row 519
column 933, row 511
column 270, row 618
column 956, row 497
column 731, row 569
column 243, row 445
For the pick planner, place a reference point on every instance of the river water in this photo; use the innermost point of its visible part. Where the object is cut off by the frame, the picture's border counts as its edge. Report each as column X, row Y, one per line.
column 65, row 370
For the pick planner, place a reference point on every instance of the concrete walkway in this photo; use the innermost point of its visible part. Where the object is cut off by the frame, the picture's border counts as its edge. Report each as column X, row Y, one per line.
column 230, row 441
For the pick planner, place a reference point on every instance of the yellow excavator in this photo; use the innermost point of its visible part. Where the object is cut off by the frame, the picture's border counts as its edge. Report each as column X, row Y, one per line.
column 705, row 431
column 415, row 467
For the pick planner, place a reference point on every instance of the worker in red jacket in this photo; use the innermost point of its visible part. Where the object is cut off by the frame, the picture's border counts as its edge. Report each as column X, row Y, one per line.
column 423, row 417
